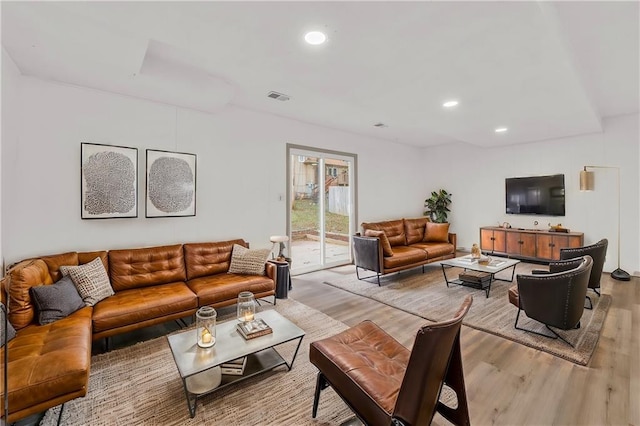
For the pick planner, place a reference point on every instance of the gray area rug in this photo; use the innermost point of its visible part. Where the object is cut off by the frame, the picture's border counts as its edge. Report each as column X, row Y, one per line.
column 140, row 385
column 427, row 296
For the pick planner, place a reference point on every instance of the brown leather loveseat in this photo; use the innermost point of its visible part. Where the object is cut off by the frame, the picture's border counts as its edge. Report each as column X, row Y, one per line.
column 49, row 364
column 396, row 245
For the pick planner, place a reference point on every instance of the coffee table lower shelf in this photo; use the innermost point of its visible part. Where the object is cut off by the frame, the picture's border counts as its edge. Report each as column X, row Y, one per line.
column 467, row 264
column 257, row 363
column 486, row 286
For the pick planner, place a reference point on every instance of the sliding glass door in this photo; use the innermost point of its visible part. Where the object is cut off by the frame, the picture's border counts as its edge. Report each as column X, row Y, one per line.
column 321, row 208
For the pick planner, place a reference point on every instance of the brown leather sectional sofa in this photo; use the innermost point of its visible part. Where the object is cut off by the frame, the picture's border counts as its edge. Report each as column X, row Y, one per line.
column 49, row 364
column 396, row 245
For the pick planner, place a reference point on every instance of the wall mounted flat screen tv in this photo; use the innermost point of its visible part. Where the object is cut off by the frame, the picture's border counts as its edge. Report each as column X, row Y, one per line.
column 535, row 195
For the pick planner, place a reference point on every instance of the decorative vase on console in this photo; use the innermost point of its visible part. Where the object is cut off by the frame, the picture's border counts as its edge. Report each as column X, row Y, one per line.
column 475, row 252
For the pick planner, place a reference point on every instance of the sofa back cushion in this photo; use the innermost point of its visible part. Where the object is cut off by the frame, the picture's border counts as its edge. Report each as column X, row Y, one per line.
column 414, row 229
column 88, row 256
column 393, row 229
column 54, row 262
column 146, row 266
column 22, row 277
column 202, row 259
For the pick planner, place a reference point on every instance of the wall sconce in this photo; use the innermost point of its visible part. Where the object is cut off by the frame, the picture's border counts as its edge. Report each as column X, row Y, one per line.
column 587, row 183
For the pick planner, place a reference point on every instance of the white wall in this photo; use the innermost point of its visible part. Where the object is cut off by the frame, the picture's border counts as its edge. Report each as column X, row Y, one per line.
column 240, row 170
column 476, row 177
column 10, row 119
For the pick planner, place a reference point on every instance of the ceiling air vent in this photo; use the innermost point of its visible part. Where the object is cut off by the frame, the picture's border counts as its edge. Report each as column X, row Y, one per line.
column 380, row 125
column 278, row 96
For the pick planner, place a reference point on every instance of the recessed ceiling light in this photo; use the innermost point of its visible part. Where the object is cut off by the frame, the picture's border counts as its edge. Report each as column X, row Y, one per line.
column 315, row 37
column 501, row 129
column 450, row 104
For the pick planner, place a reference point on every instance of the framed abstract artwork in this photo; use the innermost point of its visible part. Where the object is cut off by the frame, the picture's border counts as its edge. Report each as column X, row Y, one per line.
column 171, row 184
column 109, row 181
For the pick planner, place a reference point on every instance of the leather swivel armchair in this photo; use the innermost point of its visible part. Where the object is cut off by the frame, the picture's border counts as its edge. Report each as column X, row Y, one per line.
column 385, row 383
column 598, row 253
column 554, row 299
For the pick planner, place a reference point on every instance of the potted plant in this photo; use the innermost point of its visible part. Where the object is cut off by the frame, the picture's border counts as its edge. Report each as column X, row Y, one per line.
column 437, row 206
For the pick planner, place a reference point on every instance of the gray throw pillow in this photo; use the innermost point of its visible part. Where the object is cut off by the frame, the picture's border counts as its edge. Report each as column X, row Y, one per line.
column 11, row 332
column 56, row 301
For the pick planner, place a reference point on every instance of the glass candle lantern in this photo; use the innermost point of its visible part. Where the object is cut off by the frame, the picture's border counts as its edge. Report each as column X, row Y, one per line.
column 206, row 326
column 246, row 306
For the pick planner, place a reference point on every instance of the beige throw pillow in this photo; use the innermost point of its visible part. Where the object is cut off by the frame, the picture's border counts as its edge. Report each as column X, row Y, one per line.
column 248, row 261
column 91, row 280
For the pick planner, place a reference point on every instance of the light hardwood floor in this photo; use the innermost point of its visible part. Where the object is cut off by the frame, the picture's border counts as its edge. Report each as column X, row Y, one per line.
column 511, row 384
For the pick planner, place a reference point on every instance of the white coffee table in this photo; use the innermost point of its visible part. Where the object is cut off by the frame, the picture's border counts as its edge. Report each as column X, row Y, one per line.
column 498, row 264
column 195, row 363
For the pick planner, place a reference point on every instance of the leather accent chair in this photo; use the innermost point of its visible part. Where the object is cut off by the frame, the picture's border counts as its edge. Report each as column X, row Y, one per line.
column 598, row 253
column 385, row 383
column 554, row 299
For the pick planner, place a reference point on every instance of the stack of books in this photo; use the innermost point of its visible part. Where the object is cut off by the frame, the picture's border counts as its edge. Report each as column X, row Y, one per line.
column 253, row 329
column 477, row 278
column 234, row 367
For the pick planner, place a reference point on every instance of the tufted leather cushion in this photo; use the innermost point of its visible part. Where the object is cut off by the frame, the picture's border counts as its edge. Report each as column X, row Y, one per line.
column 49, row 361
column 22, row 277
column 394, row 229
column 403, row 255
column 55, row 261
column 384, row 241
column 362, row 361
column 86, row 257
column 223, row 289
column 437, row 232
column 435, row 250
column 414, row 229
column 146, row 266
column 202, row 259
column 137, row 305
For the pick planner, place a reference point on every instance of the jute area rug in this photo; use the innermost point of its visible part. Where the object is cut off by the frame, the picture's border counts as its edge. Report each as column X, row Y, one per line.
column 140, row 385
column 426, row 295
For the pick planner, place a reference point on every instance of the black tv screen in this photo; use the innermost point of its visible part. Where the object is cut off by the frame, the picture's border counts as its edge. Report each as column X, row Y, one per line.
column 535, row 195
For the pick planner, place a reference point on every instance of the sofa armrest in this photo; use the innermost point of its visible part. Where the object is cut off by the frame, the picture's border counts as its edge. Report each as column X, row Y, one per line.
column 270, row 270
column 453, row 239
column 367, row 252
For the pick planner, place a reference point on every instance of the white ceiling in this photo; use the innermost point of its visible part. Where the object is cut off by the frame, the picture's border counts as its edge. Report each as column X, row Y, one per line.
column 542, row 69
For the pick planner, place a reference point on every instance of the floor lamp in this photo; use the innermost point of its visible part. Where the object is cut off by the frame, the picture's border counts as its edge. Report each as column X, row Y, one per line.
column 587, row 182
